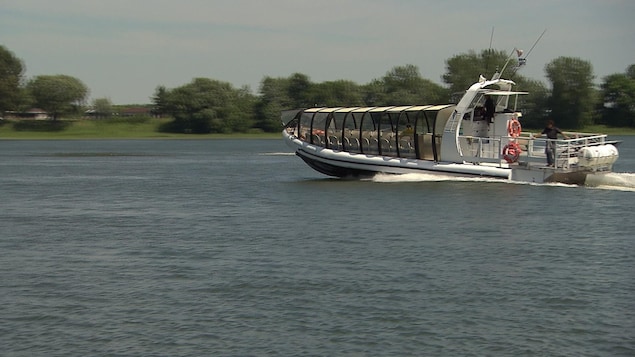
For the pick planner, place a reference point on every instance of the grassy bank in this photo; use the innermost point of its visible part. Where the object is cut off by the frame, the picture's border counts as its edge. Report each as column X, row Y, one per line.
column 146, row 128
column 106, row 129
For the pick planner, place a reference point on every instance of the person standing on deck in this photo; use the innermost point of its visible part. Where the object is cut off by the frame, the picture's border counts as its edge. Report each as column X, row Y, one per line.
column 490, row 109
column 551, row 131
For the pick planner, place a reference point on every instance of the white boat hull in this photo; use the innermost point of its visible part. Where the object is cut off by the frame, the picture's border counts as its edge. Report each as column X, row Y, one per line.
column 345, row 164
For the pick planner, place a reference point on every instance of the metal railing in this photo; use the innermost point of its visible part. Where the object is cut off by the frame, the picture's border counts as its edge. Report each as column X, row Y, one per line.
column 490, row 150
column 565, row 150
column 477, row 149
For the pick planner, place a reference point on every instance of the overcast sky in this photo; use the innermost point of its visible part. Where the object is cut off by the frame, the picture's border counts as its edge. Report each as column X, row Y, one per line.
column 124, row 49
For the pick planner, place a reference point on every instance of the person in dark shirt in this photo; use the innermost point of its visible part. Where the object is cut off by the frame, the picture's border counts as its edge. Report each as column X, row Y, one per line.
column 490, row 108
column 551, row 131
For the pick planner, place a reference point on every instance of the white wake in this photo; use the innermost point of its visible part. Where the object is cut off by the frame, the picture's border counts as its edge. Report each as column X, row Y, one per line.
column 624, row 181
column 436, row 177
column 610, row 181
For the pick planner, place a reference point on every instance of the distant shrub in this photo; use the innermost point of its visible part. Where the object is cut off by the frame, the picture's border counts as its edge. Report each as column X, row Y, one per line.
column 134, row 119
column 172, row 127
column 40, row 125
column 255, row 131
column 194, row 125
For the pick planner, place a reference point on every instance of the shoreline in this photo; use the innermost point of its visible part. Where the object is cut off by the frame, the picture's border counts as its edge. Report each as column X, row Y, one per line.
column 238, row 136
column 133, row 129
column 148, row 129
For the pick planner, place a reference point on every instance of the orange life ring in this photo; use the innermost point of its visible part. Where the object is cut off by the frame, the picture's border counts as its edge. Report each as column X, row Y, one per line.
column 514, row 128
column 511, row 152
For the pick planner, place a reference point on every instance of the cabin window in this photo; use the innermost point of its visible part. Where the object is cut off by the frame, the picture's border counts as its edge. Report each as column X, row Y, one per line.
column 304, row 130
column 350, row 140
column 318, row 133
column 292, row 126
column 334, row 131
column 423, row 124
column 387, row 133
column 368, row 139
column 406, row 134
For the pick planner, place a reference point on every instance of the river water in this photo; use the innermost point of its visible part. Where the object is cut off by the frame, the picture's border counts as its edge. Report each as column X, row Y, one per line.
column 237, row 248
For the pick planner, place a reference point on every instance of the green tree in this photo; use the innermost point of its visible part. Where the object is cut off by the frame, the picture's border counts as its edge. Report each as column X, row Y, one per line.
column 464, row 69
column 206, row 106
column 373, row 93
column 618, row 99
column 274, row 98
column 295, row 92
column 298, row 90
column 240, row 112
column 404, row 85
column 533, row 106
column 11, row 81
column 160, row 100
column 57, row 94
column 102, row 107
column 342, row 93
column 572, row 93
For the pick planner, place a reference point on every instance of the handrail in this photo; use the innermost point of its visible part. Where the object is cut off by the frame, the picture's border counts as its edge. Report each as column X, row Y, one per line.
column 489, row 149
column 478, row 149
column 566, row 150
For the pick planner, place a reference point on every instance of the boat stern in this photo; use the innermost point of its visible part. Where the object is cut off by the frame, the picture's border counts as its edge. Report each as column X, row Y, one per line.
column 547, row 174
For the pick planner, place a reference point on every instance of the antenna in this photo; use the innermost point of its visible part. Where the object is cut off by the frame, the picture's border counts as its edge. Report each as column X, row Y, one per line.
column 507, row 61
column 489, row 51
column 535, row 43
column 523, row 60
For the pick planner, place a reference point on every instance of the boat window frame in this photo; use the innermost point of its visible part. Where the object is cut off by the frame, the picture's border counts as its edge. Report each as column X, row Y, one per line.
column 311, row 114
column 348, row 118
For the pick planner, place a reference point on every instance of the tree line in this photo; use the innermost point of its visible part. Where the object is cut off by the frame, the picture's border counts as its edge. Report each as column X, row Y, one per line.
column 206, row 105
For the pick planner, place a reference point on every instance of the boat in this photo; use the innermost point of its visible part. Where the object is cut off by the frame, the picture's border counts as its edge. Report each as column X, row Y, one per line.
column 447, row 139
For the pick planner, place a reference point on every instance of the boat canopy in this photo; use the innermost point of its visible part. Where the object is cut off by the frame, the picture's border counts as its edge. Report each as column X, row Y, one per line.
column 411, row 131
column 399, row 109
column 362, row 109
